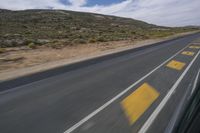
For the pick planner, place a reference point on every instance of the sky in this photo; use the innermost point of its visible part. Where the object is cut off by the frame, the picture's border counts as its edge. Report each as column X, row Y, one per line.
column 159, row 12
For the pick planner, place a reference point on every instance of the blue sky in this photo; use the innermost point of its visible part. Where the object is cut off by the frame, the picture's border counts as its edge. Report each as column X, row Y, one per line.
column 66, row 2
column 95, row 2
column 160, row 12
column 102, row 2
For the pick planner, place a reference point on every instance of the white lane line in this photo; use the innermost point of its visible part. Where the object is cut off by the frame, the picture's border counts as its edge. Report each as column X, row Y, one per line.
column 81, row 122
column 153, row 116
column 195, row 82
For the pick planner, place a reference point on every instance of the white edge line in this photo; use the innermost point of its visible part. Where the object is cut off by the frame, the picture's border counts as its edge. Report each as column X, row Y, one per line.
column 195, row 82
column 82, row 121
column 153, row 116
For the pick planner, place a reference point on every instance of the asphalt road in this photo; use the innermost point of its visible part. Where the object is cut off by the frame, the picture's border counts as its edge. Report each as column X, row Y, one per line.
column 134, row 91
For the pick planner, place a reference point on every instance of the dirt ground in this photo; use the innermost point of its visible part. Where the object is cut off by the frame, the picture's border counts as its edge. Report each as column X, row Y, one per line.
column 24, row 57
column 22, row 61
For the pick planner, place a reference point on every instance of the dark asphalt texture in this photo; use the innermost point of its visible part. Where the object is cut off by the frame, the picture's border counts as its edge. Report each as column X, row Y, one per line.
column 55, row 100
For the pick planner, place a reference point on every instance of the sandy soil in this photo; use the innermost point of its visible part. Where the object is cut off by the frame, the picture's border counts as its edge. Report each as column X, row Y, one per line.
column 23, row 61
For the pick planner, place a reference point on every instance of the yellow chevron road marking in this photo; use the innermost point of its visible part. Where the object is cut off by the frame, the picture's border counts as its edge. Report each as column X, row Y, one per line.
column 138, row 102
column 177, row 65
column 187, row 53
column 194, row 47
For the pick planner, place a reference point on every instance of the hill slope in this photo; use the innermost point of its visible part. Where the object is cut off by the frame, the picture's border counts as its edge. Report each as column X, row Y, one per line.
column 19, row 28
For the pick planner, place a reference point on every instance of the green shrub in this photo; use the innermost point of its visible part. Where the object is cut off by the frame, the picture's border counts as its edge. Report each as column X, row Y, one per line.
column 2, row 50
column 57, row 45
column 39, row 43
column 79, row 41
column 13, row 43
column 32, row 45
column 25, row 42
column 101, row 39
column 92, row 40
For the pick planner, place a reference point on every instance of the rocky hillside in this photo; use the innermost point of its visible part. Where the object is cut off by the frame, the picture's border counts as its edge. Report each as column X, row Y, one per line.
column 59, row 27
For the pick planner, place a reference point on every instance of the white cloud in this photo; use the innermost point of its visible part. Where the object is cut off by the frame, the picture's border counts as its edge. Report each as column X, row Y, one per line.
column 110, row 9
column 29, row 4
column 168, row 12
column 161, row 12
column 78, row 2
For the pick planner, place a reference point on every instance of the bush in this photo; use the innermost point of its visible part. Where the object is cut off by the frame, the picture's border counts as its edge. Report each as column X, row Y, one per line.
column 11, row 43
column 56, row 45
column 32, row 46
column 92, row 40
column 39, row 42
column 101, row 39
column 2, row 50
column 79, row 41
column 26, row 42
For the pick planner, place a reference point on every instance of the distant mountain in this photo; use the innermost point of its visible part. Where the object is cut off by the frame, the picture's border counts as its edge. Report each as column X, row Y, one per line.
column 19, row 28
column 3, row 10
column 192, row 26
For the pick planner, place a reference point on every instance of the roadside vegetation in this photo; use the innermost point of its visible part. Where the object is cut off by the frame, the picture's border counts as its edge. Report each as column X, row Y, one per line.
column 58, row 28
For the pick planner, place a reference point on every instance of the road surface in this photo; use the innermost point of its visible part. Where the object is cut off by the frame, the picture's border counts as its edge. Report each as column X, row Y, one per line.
column 134, row 91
